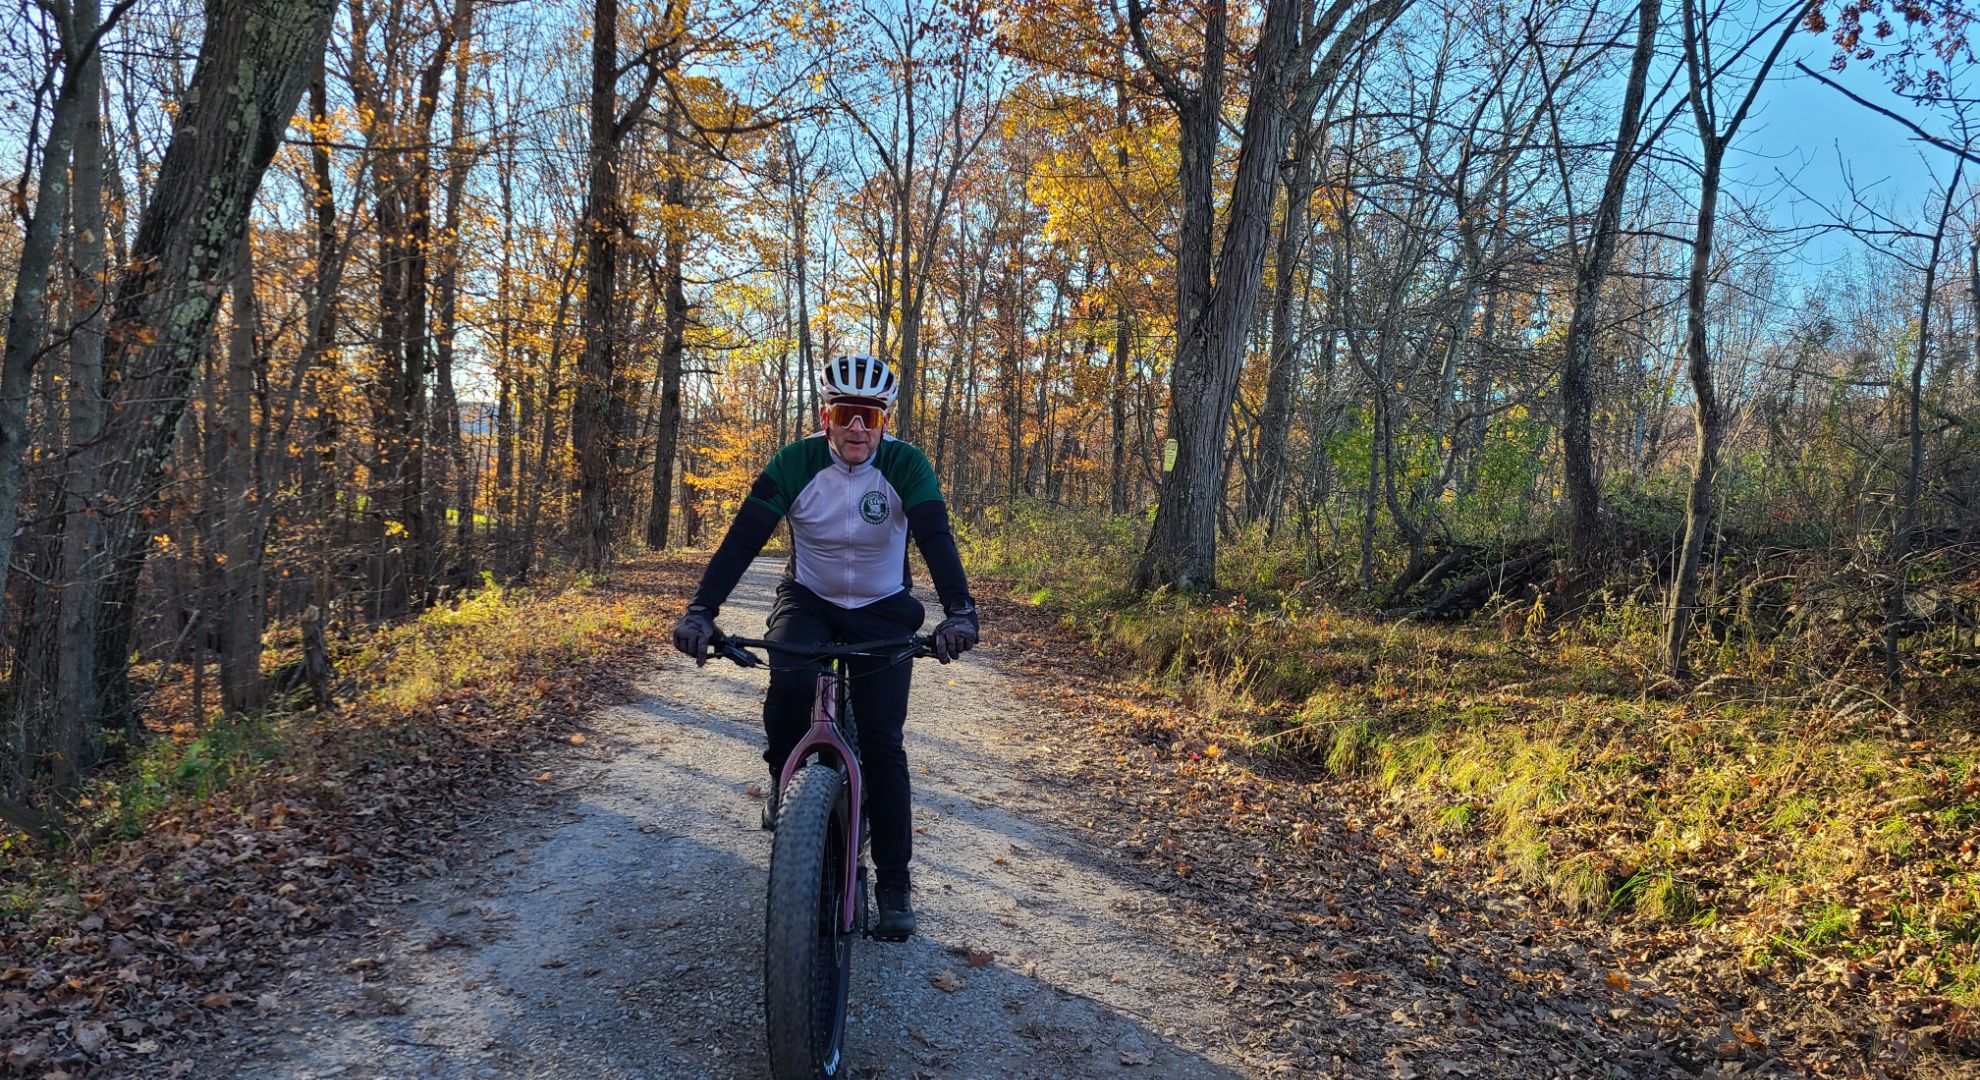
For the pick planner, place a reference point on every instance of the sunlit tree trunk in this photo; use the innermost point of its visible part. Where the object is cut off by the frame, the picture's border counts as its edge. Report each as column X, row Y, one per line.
column 673, row 343
column 252, row 67
column 1591, row 270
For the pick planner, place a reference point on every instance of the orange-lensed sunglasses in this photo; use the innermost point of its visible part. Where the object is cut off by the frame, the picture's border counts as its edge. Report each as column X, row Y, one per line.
column 843, row 413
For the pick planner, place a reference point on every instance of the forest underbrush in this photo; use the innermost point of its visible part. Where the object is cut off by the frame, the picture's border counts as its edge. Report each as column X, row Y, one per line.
column 1782, row 805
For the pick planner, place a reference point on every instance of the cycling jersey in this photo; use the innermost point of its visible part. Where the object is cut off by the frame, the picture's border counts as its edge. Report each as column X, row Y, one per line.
column 849, row 523
column 849, row 526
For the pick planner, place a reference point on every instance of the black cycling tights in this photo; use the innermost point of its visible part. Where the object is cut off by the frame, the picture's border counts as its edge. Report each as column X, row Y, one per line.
column 879, row 702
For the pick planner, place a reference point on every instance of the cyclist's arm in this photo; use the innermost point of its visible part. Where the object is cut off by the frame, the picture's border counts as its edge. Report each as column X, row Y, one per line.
column 756, row 519
column 928, row 523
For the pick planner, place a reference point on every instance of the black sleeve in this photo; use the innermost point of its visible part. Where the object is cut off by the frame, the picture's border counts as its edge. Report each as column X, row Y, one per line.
column 928, row 521
column 746, row 536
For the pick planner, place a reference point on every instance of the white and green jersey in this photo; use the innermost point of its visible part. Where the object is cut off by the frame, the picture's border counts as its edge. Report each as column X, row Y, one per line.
column 849, row 523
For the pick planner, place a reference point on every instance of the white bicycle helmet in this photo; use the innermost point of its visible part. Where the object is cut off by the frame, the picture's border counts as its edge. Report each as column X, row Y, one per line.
column 858, row 375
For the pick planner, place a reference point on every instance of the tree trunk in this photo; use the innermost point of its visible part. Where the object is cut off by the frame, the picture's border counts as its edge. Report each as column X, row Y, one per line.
column 591, row 397
column 82, row 529
column 28, row 311
column 1896, row 607
column 1681, row 607
column 322, row 463
column 1275, row 421
column 507, row 423
column 446, row 405
column 241, row 607
column 672, row 346
column 1117, row 494
column 801, row 269
column 1682, row 604
column 547, row 406
column 1578, row 355
column 245, row 85
column 1182, row 545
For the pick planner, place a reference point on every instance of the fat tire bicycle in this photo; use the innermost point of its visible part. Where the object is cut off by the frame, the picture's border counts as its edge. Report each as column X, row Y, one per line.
column 817, row 903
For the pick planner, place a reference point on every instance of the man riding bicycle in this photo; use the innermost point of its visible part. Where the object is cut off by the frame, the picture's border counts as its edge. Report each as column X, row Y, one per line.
column 853, row 494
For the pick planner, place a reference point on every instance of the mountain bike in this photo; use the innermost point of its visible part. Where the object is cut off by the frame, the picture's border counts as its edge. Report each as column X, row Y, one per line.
column 818, row 872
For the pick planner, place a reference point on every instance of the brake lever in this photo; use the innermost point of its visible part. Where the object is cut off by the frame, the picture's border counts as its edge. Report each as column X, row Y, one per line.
column 740, row 656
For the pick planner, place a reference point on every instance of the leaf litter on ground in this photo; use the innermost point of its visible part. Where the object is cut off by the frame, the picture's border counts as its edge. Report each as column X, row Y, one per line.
column 1326, row 893
column 123, row 953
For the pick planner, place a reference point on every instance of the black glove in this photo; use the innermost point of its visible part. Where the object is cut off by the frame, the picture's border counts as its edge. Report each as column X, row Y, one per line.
column 956, row 634
column 693, row 633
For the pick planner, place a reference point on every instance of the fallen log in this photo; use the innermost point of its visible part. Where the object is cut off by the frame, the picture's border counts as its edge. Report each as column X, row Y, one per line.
column 1469, row 595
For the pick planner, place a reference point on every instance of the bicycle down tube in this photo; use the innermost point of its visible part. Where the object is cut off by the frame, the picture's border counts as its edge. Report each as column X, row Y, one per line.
column 826, row 736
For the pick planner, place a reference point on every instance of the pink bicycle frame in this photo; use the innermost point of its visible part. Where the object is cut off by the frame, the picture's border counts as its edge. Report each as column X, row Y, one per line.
column 828, row 742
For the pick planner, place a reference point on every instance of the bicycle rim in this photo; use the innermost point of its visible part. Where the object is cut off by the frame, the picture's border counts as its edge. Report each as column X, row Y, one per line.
column 807, row 961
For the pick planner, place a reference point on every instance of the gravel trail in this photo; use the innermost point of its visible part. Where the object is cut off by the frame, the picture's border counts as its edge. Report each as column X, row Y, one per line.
column 611, row 926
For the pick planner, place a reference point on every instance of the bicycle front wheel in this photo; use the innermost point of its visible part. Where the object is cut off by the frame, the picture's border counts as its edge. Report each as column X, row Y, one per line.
column 807, row 960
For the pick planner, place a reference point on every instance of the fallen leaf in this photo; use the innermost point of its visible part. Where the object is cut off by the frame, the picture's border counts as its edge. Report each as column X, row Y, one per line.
column 979, row 959
column 577, row 740
column 542, row 777
column 1616, row 980
column 91, row 1035
column 220, row 999
column 21, row 1055
column 946, row 981
column 1136, row 1057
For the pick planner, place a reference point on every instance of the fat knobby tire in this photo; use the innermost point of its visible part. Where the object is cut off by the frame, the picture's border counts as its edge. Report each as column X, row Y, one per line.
column 804, row 977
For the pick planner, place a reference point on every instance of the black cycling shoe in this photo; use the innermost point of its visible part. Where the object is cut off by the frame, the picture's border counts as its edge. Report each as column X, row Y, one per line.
column 771, row 799
column 896, row 919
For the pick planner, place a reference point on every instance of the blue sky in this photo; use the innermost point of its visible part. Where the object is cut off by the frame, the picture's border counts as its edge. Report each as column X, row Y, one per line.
column 1812, row 133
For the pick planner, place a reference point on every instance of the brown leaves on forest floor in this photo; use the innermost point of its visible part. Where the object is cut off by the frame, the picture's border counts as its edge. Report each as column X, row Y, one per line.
column 114, row 955
column 1361, row 933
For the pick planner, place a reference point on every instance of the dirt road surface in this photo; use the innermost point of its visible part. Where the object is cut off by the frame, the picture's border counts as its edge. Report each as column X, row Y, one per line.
column 610, row 925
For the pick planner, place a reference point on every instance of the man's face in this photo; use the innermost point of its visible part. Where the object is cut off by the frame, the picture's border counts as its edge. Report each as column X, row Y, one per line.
column 853, row 426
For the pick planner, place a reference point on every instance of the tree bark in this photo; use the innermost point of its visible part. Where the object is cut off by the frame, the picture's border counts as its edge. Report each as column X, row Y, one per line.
column 1275, row 419
column 1182, row 545
column 672, row 347
column 1896, row 607
column 591, row 396
column 82, row 528
column 1706, row 423
column 241, row 605
column 1117, row 492
column 1578, row 356
column 1682, row 603
column 27, row 312
column 446, row 404
column 252, row 66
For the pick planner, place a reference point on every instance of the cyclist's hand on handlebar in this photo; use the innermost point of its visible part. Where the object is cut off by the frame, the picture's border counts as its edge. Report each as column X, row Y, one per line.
column 955, row 635
column 693, row 634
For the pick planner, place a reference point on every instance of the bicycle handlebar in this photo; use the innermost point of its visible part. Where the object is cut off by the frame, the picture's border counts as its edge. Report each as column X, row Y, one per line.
column 897, row 649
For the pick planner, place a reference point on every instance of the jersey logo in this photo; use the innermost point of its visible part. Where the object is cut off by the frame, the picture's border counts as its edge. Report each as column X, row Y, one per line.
column 874, row 507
